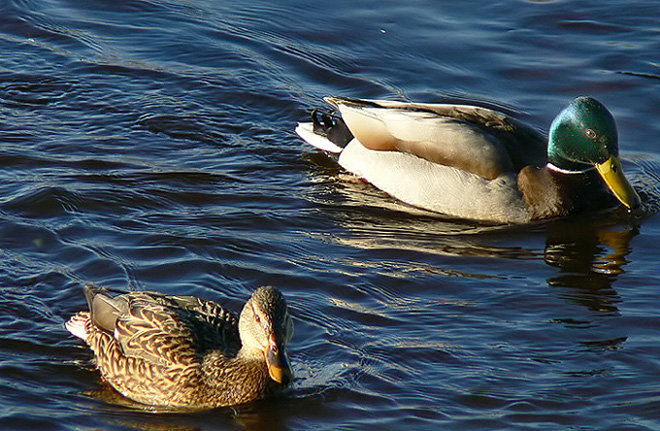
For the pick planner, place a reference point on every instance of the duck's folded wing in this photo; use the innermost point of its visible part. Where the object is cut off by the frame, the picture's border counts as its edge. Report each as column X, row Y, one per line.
column 174, row 330
column 475, row 139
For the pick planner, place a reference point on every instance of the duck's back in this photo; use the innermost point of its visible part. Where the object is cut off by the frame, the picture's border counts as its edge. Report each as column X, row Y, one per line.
column 152, row 347
column 175, row 329
column 475, row 139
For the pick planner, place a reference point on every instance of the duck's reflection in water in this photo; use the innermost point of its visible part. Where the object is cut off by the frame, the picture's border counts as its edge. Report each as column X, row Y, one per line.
column 590, row 258
column 260, row 415
column 590, row 252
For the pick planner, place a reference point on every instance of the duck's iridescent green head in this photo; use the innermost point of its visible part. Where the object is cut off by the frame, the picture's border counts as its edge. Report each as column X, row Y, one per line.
column 584, row 136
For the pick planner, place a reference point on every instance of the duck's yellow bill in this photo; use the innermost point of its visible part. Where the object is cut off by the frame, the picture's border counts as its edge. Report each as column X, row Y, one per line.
column 612, row 172
column 279, row 367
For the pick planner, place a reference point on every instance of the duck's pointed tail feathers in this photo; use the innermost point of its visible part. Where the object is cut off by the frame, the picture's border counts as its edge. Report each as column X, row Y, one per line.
column 77, row 325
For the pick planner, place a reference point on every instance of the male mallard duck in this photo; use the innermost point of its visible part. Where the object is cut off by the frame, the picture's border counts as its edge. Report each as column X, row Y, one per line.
column 185, row 352
column 476, row 163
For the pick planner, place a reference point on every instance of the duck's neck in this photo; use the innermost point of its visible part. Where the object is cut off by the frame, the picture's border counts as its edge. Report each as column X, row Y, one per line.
column 565, row 159
column 552, row 192
column 573, row 171
column 240, row 379
column 247, row 353
column 245, row 358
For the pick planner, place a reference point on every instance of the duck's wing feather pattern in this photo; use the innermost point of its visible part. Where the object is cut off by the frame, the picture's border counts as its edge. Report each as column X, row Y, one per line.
column 478, row 140
column 170, row 330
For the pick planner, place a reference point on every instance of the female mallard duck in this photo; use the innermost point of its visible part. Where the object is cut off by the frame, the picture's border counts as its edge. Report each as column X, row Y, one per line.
column 184, row 352
column 475, row 163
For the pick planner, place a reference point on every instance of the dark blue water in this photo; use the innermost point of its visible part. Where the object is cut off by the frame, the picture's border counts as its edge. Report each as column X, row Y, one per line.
column 149, row 143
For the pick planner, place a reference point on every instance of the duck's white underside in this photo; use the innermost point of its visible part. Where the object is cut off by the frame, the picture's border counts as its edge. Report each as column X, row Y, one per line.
column 428, row 185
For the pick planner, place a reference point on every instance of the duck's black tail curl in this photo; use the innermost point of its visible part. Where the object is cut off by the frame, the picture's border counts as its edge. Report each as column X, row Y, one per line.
column 332, row 127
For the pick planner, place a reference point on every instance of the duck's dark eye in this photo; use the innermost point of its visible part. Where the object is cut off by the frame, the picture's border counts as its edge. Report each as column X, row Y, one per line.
column 590, row 134
column 256, row 315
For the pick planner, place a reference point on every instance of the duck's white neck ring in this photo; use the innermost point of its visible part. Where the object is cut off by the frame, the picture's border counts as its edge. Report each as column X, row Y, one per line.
column 565, row 171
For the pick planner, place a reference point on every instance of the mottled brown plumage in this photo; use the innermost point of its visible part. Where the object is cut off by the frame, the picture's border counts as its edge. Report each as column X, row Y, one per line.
column 182, row 351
